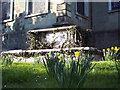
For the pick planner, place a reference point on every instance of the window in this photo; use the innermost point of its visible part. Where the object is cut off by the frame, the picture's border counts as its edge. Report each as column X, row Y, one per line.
column 36, row 7
column 82, row 8
column 113, row 5
column 7, row 10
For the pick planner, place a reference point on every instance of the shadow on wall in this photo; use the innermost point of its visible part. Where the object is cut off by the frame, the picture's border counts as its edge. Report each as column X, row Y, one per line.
column 14, row 34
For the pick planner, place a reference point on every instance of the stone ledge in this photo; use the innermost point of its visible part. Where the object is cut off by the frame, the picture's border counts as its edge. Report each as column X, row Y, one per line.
column 98, row 55
column 52, row 50
column 51, row 29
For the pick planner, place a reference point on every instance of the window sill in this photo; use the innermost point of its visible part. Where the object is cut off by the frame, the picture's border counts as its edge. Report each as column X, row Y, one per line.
column 85, row 17
column 33, row 15
column 113, row 11
column 5, row 21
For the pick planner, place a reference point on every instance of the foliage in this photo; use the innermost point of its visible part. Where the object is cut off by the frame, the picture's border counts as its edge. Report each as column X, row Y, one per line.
column 111, row 54
column 35, row 41
column 51, row 60
column 30, row 75
column 7, row 60
column 114, row 55
column 25, row 75
column 69, row 71
column 103, row 75
column 37, row 60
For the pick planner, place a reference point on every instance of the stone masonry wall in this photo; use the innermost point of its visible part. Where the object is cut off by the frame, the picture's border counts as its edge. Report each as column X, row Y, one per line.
column 14, row 33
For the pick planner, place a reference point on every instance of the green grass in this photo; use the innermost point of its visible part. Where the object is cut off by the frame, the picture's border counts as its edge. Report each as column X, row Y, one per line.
column 104, row 75
column 30, row 75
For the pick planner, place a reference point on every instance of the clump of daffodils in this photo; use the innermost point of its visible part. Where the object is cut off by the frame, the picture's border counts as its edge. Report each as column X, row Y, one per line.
column 112, row 48
column 69, row 70
column 110, row 53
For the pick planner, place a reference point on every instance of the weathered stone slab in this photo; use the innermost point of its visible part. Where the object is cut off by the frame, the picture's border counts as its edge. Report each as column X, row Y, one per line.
column 51, row 29
column 57, row 35
column 51, row 50
column 94, row 51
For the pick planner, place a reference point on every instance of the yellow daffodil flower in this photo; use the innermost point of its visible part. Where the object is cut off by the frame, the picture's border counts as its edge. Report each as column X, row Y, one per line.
column 56, row 54
column 77, row 54
column 61, row 57
column 116, row 49
column 112, row 48
column 49, row 53
column 9, row 55
column 108, row 49
column 103, row 50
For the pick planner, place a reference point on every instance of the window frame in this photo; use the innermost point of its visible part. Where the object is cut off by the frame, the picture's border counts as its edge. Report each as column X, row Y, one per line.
column 36, row 14
column 86, row 14
column 11, row 12
column 110, row 7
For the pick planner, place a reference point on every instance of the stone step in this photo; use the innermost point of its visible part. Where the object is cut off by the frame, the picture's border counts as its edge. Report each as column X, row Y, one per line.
column 30, row 53
column 51, row 50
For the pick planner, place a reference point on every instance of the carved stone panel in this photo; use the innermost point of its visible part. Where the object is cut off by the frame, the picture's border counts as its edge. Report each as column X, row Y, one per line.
column 58, row 37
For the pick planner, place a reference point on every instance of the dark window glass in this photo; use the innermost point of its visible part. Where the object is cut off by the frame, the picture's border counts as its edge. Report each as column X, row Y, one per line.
column 80, row 8
column 30, row 6
column 115, row 5
column 6, row 10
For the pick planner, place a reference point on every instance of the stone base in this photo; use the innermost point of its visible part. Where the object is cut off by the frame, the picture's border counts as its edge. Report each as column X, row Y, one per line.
column 29, row 53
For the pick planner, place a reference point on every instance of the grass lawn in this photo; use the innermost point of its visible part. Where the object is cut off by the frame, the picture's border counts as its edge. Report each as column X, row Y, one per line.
column 30, row 75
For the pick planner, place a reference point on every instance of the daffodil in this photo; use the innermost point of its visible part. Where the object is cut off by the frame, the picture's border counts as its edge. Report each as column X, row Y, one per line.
column 49, row 53
column 116, row 49
column 108, row 49
column 56, row 54
column 112, row 48
column 9, row 55
column 103, row 50
column 77, row 54
column 61, row 57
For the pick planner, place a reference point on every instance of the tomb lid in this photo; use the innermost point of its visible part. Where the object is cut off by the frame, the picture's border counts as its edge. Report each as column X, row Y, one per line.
column 51, row 29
